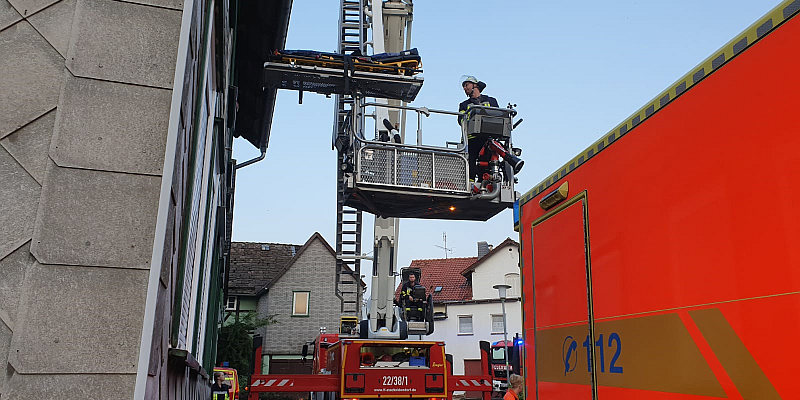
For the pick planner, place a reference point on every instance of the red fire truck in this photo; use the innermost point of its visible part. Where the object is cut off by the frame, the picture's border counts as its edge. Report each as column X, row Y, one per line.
column 498, row 361
column 350, row 368
column 662, row 262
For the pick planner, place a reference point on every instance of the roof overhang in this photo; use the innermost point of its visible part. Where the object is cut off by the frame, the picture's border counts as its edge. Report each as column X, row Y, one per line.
column 261, row 28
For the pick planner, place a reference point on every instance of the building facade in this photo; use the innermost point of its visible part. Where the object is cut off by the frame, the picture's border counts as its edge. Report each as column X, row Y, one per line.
column 116, row 179
column 302, row 297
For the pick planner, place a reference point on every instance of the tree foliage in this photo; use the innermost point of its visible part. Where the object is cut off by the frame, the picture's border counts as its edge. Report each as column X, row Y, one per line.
column 235, row 343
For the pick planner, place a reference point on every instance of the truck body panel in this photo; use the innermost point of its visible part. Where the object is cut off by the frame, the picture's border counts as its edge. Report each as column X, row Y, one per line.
column 670, row 269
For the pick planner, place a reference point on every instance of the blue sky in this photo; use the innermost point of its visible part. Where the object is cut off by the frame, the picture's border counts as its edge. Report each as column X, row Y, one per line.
column 575, row 69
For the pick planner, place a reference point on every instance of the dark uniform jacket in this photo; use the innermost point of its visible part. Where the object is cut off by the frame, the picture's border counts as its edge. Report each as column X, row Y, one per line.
column 220, row 392
column 406, row 290
column 475, row 142
column 482, row 100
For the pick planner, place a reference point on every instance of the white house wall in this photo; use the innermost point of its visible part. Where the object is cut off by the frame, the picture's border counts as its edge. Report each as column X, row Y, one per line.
column 466, row 346
column 489, row 272
column 492, row 271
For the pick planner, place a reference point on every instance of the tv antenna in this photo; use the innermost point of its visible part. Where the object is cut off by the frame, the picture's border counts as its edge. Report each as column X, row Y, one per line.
column 445, row 248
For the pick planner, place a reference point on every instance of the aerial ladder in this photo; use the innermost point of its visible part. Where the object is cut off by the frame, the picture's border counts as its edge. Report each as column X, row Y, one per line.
column 390, row 179
column 352, row 38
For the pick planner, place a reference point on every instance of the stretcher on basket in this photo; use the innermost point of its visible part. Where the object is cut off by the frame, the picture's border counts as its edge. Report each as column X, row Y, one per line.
column 384, row 75
column 406, row 62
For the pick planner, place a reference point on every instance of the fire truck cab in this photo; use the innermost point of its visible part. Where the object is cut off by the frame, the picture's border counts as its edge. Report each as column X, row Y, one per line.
column 390, row 368
column 498, row 360
column 350, row 368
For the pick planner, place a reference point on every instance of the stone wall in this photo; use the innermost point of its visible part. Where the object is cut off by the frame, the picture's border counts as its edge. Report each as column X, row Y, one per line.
column 84, row 112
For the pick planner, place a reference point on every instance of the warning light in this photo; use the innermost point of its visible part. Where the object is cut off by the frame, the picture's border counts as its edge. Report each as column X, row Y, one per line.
column 556, row 196
column 452, row 208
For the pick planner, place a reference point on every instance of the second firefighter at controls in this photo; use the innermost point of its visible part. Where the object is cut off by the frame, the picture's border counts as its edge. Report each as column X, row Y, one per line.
column 412, row 298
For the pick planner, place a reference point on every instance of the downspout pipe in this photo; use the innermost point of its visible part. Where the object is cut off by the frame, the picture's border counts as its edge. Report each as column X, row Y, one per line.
column 253, row 161
column 280, row 41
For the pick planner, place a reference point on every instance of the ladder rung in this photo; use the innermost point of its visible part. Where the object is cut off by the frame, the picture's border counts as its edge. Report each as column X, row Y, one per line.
column 352, row 27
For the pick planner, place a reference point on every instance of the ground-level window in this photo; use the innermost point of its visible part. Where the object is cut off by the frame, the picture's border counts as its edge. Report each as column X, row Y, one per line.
column 465, row 324
column 300, row 304
column 230, row 305
column 497, row 323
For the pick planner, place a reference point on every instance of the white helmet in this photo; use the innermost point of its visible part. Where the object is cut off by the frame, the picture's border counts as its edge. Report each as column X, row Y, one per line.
column 473, row 79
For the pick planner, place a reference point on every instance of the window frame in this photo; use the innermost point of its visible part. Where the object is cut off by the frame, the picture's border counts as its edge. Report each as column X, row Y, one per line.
column 235, row 303
column 471, row 325
column 494, row 332
column 294, row 303
column 514, row 282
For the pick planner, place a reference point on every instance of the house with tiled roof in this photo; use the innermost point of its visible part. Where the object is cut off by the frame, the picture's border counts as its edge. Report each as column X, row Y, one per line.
column 296, row 284
column 252, row 265
column 467, row 308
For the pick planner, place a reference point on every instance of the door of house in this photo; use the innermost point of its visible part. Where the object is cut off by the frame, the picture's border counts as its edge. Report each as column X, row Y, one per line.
column 473, row 367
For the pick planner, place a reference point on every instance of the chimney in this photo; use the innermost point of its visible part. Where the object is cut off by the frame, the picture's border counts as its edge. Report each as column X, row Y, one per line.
column 483, row 249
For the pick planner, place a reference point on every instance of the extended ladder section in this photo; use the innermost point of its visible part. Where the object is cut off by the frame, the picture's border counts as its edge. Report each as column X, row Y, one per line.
column 352, row 35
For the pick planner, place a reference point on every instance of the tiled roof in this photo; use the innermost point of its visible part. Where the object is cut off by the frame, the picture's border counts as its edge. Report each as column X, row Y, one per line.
column 445, row 272
column 254, row 264
column 315, row 236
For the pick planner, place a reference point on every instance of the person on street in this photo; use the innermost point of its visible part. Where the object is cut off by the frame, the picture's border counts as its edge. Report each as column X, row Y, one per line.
column 515, row 387
column 219, row 389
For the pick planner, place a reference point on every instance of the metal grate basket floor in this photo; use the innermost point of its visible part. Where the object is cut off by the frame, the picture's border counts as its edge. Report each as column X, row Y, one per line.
column 411, row 168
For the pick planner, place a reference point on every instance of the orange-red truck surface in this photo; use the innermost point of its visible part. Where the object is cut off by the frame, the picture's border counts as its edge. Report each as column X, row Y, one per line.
column 350, row 368
column 668, row 267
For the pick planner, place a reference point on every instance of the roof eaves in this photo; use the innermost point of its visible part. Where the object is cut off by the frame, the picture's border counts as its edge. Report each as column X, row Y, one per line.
column 291, row 262
column 507, row 242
